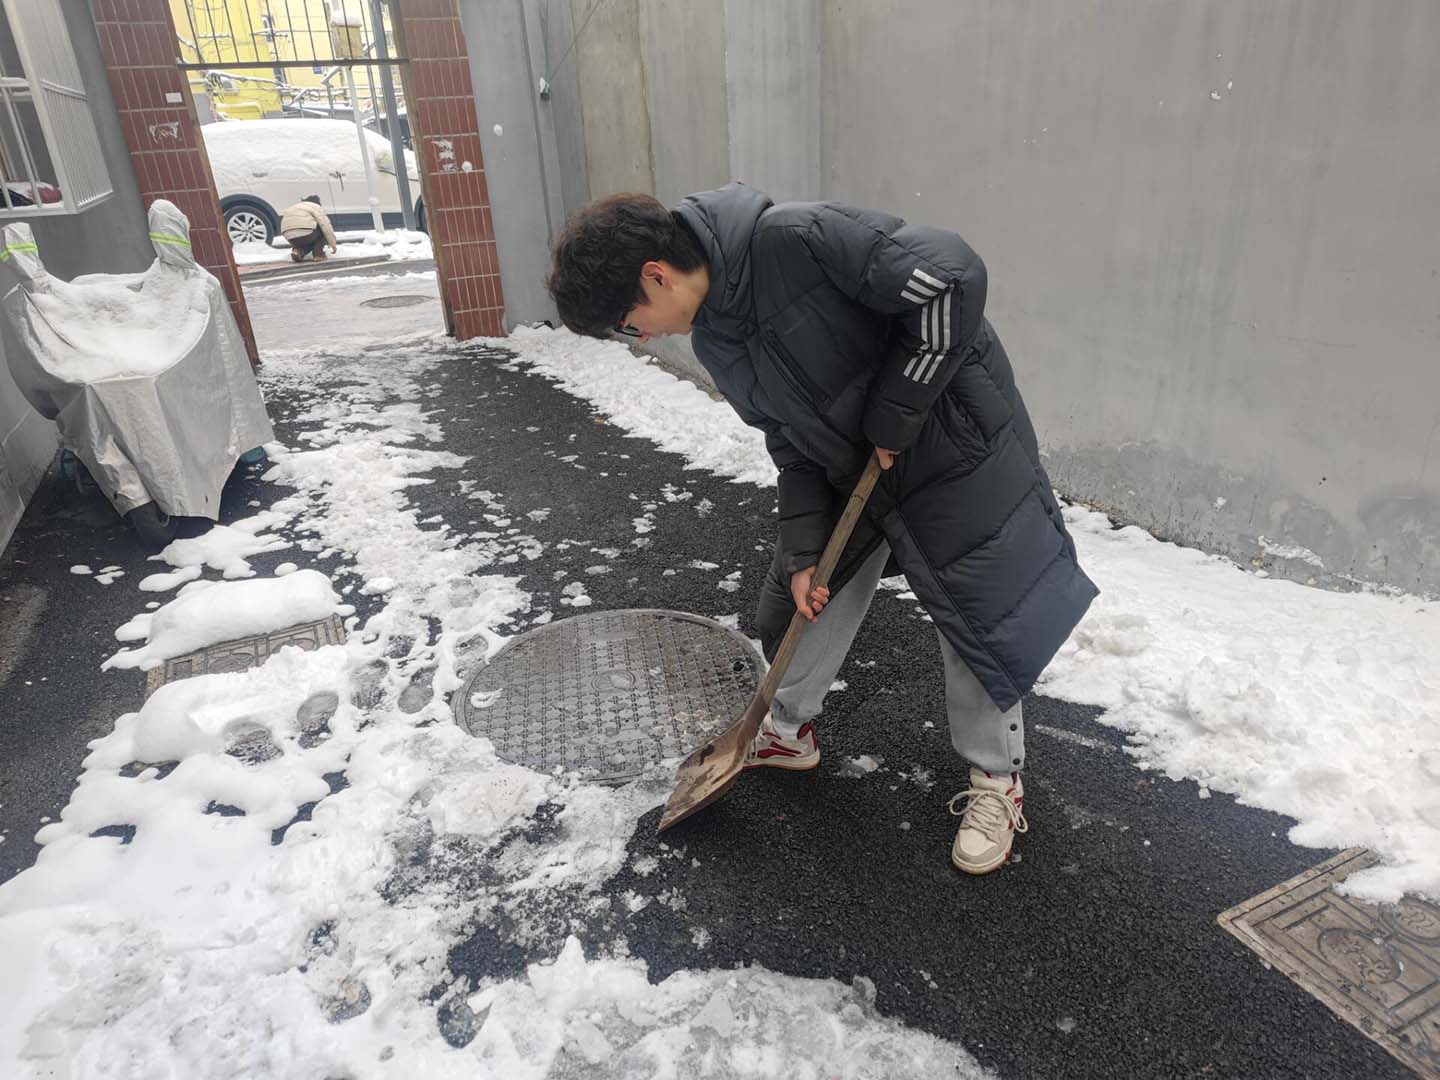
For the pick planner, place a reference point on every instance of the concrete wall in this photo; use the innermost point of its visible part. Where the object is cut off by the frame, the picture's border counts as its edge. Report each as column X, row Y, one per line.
column 1211, row 227
column 773, row 65
column 675, row 96
column 504, row 41
column 682, row 46
column 658, row 58
column 1211, row 232
column 110, row 237
column 612, row 95
column 664, row 58
column 557, row 30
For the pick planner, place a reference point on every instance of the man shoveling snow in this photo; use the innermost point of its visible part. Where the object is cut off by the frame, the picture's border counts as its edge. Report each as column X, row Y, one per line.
column 835, row 330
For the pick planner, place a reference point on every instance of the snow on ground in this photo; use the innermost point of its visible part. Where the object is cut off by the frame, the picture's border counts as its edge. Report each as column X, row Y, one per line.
column 747, row 1022
column 226, row 547
column 319, row 312
column 262, row 873
column 1322, row 706
column 307, row 840
column 647, row 401
column 208, row 612
column 398, row 245
column 165, row 582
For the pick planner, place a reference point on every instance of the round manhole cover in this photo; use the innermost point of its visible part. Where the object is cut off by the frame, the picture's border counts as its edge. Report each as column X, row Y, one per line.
column 402, row 300
column 610, row 692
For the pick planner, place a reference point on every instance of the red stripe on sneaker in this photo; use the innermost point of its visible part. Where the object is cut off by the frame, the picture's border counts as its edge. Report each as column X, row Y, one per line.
column 776, row 751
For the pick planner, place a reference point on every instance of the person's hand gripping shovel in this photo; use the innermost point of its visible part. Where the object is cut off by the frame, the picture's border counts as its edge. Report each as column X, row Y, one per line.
column 711, row 770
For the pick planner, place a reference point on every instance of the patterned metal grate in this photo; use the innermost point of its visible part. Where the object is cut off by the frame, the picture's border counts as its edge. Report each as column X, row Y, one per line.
column 401, row 300
column 607, row 693
column 1378, row 967
column 245, row 653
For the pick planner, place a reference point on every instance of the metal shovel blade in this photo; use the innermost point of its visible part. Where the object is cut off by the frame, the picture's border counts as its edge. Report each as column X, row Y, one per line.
column 712, row 770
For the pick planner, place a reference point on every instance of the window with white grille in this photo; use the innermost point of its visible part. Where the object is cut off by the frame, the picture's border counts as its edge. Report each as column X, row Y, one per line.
column 50, row 157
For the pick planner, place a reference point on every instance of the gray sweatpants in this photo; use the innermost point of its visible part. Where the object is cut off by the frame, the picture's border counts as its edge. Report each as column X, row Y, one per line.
column 980, row 732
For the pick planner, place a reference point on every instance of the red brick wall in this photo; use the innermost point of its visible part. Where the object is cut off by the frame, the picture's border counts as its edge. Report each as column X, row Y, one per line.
column 446, row 133
column 137, row 42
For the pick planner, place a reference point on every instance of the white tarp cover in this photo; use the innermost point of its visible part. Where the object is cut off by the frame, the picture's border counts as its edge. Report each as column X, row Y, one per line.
column 146, row 375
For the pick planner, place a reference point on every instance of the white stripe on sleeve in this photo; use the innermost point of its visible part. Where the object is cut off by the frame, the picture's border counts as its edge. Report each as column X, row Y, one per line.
column 930, row 372
column 923, row 276
column 923, row 375
column 920, row 285
column 935, row 334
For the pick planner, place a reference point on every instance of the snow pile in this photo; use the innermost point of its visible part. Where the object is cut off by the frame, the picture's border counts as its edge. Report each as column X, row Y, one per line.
column 398, row 245
column 207, row 612
column 574, row 595
column 1322, row 706
column 863, row 765
column 224, row 547
column 258, row 253
column 166, row 582
column 647, row 401
column 608, row 1020
column 1290, row 551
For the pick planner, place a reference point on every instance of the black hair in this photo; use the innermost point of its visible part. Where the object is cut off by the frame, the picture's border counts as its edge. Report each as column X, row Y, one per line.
column 312, row 198
column 595, row 276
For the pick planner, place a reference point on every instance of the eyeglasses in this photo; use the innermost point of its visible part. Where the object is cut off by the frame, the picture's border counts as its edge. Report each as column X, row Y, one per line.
column 622, row 327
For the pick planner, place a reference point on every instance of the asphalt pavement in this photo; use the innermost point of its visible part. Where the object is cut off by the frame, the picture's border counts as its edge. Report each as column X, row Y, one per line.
column 1095, row 953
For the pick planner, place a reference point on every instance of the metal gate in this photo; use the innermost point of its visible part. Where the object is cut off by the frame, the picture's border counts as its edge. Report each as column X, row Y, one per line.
column 298, row 58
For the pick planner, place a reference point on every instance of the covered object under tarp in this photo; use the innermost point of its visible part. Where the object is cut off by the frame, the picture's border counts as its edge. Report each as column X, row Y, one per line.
column 146, row 375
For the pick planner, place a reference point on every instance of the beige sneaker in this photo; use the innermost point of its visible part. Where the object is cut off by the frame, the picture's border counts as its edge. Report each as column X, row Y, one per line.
column 771, row 751
column 989, row 821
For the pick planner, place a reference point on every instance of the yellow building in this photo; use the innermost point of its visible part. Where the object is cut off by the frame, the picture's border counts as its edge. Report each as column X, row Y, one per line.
column 249, row 48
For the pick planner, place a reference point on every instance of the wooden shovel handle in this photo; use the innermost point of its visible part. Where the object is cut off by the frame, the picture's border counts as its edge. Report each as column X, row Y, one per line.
column 829, row 559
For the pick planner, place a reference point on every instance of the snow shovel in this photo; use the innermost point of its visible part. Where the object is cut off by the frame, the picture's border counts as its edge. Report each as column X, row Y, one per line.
column 713, row 769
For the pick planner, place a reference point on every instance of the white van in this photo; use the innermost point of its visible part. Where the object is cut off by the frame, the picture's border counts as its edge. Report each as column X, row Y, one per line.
column 263, row 166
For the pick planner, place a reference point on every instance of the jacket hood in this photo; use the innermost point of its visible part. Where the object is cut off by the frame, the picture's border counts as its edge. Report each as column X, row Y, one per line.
column 723, row 221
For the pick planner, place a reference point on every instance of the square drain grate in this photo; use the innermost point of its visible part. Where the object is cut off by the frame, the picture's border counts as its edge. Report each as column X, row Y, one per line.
column 1378, row 967
column 245, row 653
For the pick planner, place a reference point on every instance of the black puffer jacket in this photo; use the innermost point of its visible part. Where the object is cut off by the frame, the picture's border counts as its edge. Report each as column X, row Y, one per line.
column 833, row 330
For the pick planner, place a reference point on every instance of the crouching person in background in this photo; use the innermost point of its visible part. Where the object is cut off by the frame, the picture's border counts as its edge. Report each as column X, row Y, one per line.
column 307, row 227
